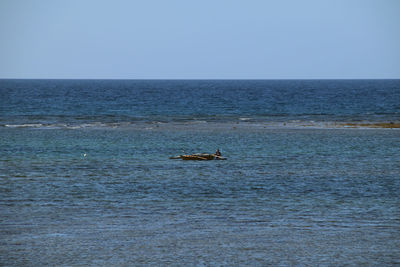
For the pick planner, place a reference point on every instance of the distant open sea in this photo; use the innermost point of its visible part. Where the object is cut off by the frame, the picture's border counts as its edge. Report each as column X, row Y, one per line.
column 86, row 179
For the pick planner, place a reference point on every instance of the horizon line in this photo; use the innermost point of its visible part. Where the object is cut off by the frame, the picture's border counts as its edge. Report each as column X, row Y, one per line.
column 198, row 79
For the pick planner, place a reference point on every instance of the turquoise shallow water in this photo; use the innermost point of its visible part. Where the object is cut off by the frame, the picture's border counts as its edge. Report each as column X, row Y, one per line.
column 86, row 179
column 283, row 197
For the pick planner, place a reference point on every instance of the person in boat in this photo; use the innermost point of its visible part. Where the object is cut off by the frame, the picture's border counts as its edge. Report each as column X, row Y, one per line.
column 218, row 153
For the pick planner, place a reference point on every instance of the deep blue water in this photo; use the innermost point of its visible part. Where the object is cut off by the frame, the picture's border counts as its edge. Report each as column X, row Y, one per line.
column 86, row 179
column 108, row 101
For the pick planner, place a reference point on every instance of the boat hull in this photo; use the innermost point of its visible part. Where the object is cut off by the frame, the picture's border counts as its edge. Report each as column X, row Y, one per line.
column 199, row 157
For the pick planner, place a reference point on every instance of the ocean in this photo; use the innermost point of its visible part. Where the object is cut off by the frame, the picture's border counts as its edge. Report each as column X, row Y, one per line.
column 312, row 176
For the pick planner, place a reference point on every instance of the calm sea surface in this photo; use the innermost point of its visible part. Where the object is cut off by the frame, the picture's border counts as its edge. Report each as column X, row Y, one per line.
column 86, row 179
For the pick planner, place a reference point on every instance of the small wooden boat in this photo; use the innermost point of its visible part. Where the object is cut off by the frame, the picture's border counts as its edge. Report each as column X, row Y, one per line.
column 202, row 156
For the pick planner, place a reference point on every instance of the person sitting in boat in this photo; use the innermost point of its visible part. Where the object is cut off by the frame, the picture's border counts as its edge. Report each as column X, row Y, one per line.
column 218, row 153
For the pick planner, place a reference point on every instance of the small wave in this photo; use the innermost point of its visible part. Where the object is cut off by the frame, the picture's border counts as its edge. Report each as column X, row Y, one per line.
column 66, row 126
column 96, row 125
column 27, row 125
column 202, row 124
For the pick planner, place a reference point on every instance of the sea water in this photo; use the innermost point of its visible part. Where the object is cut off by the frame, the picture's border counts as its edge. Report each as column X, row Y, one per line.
column 86, row 179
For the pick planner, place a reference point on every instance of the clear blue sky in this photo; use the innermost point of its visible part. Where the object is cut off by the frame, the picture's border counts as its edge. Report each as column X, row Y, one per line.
column 208, row 39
